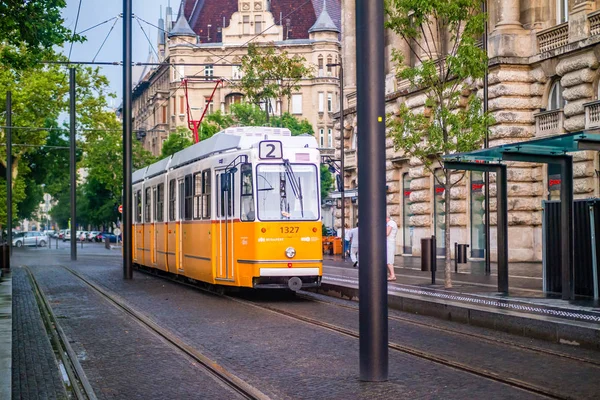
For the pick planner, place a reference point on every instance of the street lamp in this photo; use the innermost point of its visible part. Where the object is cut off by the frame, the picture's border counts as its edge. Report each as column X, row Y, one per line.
column 342, row 154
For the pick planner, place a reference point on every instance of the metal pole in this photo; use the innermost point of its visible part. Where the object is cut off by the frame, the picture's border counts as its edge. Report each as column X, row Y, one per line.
column 502, row 227
column 73, row 165
column 594, row 253
column 488, row 268
column 373, row 312
column 342, row 151
column 8, row 132
column 127, row 144
column 566, row 227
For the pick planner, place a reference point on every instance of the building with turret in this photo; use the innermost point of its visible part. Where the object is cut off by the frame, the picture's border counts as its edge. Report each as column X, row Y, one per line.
column 204, row 43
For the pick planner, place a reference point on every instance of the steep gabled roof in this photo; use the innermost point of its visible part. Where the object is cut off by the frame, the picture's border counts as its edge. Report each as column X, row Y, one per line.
column 182, row 27
column 324, row 23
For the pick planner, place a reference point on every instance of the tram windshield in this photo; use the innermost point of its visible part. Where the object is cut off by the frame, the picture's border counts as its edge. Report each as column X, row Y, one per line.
column 287, row 192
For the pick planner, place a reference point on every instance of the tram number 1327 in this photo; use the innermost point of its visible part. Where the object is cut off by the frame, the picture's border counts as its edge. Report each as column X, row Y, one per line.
column 289, row 229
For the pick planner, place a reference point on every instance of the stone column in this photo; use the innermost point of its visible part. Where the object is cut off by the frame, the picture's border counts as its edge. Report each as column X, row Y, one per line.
column 579, row 25
column 509, row 38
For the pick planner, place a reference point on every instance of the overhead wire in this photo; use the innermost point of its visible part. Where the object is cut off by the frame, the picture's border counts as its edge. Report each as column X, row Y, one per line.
column 148, row 39
column 75, row 28
column 105, row 39
column 97, row 25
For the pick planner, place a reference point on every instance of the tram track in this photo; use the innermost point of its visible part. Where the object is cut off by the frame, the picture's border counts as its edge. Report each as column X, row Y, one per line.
column 209, row 366
column 457, row 332
column 440, row 360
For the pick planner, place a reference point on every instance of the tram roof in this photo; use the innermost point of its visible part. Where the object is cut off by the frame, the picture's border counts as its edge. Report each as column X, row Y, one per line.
column 228, row 139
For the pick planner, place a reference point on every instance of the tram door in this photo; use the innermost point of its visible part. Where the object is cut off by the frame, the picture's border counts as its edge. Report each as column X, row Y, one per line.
column 225, row 213
column 181, row 207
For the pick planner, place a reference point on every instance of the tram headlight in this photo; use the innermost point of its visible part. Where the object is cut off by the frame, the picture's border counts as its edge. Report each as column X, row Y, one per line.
column 290, row 252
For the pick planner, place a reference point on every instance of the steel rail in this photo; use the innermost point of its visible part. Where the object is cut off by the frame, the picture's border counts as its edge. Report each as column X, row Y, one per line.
column 210, row 366
column 79, row 382
column 458, row 332
column 394, row 346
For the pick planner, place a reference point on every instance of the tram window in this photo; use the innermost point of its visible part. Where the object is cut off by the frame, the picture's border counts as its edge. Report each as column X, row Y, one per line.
column 147, row 205
column 197, row 195
column 247, row 212
column 160, row 203
column 227, row 192
column 188, row 197
column 172, row 200
column 138, row 207
column 206, row 193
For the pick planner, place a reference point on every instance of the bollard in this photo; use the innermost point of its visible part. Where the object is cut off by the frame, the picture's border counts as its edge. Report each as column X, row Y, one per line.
column 107, row 243
column 57, row 243
column 460, row 255
column 426, row 256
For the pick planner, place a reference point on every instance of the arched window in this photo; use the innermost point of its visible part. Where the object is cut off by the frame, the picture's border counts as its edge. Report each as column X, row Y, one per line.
column 556, row 101
column 562, row 11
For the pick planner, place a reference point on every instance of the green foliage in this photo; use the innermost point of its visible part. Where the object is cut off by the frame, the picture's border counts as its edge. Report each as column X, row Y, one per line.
column 29, row 30
column 297, row 127
column 247, row 114
column 326, row 181
column 268, row 74
column 176, row 142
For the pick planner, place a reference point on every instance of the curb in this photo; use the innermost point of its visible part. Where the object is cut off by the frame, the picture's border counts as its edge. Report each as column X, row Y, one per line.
column 576, row 333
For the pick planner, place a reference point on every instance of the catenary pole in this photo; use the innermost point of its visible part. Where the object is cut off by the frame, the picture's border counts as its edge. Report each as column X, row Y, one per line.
column 373, row 313
column 342, row 156
column 73, row 161
column 8, row 133
column 127, row 128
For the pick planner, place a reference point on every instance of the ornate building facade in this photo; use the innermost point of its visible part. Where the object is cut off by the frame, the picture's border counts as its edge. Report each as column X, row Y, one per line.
column 543, row 80
column 205, row 43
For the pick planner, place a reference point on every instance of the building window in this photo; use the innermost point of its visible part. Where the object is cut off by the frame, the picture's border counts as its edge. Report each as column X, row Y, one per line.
column 439, row 211
column 209, row 105
column 164, row 114
column 556, row 101
column 236, row 72
column 329, row 67
column 181, row 105
column 296, row 104
column 181, row 69
column 322, row 137
column 257, row 24
column 320, row 65
column 246, row 21
column 477, row 215
column 330, row 137
column 321, row 102
column 329, row 102
column 562, row 11
column 208, row 70
column 406, row 228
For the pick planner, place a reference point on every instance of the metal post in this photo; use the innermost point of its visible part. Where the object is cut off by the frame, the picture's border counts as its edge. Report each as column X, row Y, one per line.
column 566, row 227
column 127, row 144
column 8, row 133
column 488, row 268
column 502, row 227
column 373, row 312
column 342, row 151
column 594, row 251
column 73, row 164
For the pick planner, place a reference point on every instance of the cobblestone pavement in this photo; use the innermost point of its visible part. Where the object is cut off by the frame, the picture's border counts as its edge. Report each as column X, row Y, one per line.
column 35, row 373
column 281, row 357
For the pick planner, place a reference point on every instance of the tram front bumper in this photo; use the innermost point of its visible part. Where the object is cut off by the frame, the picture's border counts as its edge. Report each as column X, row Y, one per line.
column 287, row 278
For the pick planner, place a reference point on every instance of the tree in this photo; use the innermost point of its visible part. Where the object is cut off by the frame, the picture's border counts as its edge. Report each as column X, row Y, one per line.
column 176, row 142
column 326, row 181
column 29, row 30
column 453, row 120
column 267, row 75
column 296, row 126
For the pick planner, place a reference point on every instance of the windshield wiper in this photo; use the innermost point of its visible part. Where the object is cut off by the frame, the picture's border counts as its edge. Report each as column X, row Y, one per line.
column 296, row 186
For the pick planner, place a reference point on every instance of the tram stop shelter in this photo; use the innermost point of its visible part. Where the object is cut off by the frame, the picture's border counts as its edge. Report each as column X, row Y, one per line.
column 547, row 150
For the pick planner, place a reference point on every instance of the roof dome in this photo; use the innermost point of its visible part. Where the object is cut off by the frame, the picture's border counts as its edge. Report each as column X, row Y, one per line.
column 182, row 27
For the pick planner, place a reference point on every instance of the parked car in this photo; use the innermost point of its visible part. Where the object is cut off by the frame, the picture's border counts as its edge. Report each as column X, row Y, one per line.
column 30, row 239
column 91, row 236
column 82, row 236
column 111, row 236
column 66, row 235
column 61, row 233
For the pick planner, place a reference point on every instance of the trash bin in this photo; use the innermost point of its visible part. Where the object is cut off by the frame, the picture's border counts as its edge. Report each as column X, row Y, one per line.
column 428, row 253
column 337, row 246
column 460, row 254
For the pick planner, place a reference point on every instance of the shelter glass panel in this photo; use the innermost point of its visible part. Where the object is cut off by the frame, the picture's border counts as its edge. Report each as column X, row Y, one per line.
column 406, row 228
column 477, row 215
column 439, row 213
column 554, row 181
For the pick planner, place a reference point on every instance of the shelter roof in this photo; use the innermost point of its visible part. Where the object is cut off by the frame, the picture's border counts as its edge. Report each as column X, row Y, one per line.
column 550, row 146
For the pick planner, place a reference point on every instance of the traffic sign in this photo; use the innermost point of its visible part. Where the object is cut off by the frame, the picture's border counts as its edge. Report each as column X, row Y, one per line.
column 121, row 208
column 117, row 231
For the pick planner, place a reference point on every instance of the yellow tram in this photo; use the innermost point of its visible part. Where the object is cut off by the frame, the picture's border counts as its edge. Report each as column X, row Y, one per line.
column 240, row 209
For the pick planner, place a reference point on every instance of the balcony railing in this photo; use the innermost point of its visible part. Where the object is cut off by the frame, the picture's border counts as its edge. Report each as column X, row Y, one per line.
column 549, row 123
column 553, row 38
column 594, row 19
column 592, row 115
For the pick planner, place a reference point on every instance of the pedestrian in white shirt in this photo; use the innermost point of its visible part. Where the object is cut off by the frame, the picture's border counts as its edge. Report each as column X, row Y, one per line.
column 391, row 232
column 354, row 246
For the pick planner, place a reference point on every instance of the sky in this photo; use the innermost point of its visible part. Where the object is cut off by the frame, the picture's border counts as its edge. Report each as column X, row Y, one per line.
column 96, row 11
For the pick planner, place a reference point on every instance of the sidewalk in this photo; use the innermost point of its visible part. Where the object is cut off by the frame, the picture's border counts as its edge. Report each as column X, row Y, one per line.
column 474, row 299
